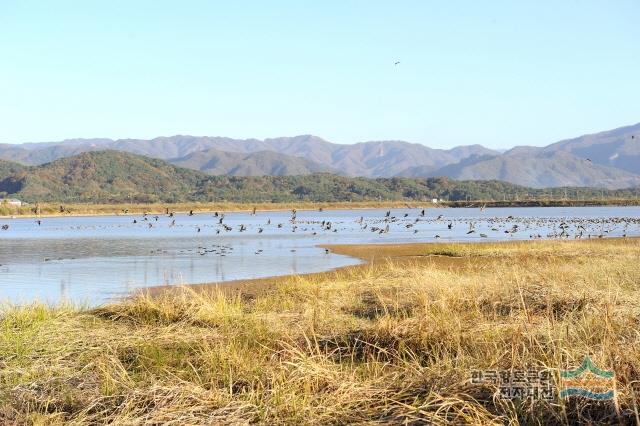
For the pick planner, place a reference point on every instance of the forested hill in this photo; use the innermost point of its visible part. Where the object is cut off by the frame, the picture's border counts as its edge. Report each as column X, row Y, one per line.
column 112, row 177
column 9, row 167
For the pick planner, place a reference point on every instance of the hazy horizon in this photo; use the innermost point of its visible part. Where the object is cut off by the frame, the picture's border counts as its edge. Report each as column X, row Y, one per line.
column 501, row 149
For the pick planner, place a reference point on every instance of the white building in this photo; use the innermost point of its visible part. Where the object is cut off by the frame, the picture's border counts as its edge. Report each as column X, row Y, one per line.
column 434, row 200
column 12, row 202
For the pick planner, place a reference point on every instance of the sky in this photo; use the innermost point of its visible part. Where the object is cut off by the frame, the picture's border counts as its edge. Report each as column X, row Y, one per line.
column 499, row 73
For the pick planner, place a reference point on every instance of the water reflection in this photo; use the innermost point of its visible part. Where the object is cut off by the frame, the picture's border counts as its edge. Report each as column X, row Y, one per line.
column 94, row 259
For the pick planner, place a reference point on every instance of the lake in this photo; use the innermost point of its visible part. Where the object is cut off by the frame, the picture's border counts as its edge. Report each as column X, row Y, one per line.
column 93, row 260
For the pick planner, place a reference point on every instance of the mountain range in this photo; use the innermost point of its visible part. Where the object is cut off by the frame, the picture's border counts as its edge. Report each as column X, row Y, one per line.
column 120, row 177
column 609, row 159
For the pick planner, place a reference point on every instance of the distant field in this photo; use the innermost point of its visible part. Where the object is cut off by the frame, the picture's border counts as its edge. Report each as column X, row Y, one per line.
column 54, row 209
column 64, row 209
column 546, row 203
column 391, row 341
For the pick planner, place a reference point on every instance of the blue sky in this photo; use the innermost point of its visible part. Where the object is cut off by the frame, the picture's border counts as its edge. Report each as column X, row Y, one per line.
column 499, row 73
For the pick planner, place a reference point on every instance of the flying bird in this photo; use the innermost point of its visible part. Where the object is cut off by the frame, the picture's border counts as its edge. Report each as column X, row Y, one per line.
column 396, row 63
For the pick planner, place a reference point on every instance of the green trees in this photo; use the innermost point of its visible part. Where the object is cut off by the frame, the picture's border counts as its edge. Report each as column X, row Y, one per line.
column 117, row 177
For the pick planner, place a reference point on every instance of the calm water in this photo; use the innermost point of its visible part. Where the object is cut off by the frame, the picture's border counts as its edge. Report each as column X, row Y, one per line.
column 96, row 259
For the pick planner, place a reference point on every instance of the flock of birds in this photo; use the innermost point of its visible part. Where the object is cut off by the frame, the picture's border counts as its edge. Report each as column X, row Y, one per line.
column 401, row 224
column 539, row 227
column 407, row 224
column 391, row 223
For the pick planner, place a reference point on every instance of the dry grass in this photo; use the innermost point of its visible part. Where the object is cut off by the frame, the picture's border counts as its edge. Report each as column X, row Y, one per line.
column 85, row 209
column 90, row 209
column 390, row 342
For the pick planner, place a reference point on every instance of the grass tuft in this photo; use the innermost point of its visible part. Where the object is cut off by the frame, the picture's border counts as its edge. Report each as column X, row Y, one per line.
column 393, row 341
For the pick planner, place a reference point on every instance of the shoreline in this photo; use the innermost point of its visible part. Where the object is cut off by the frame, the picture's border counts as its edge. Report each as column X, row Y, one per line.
column 369, row 255
column 208, row 208
column 358, row 343
column 250, row 287
column 85, row 210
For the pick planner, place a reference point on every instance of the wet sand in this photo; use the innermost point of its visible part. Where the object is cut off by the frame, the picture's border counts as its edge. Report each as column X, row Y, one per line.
column 437, row 254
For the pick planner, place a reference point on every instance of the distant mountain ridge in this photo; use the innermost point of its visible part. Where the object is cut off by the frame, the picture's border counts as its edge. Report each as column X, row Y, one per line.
column 369, row 159
column 609, row 159
column 539, row 170
column 120, row 177
column 618, row 148
column 261, row 163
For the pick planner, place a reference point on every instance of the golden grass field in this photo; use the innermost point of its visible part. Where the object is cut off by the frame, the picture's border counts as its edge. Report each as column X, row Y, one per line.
column 53, row 209
column 393, row 341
